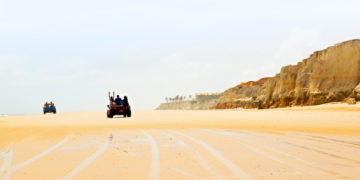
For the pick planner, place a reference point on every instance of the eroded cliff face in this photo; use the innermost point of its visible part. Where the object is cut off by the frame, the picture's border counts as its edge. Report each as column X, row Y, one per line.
column 329, row 75
column 356, row 92
column 188, row 105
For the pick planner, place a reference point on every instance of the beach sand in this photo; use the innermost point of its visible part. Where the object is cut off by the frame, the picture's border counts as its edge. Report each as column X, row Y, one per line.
column 320, row 142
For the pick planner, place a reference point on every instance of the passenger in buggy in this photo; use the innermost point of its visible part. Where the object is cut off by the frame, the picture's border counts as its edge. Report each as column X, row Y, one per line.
column 125, row 101
column 118, row 100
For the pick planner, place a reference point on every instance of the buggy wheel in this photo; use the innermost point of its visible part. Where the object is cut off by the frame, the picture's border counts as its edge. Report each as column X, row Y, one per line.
column 129, row 113
column 110, row 115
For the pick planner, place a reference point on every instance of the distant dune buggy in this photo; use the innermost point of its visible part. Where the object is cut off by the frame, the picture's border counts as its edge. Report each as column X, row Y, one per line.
column 50, row 109
column 118, row 110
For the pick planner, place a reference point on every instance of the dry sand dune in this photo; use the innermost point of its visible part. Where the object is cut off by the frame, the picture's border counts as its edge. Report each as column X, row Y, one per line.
column 312, row 143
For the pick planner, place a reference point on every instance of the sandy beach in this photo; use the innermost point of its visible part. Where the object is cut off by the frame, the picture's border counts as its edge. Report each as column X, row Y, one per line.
column 320, row 142
column 206, row 90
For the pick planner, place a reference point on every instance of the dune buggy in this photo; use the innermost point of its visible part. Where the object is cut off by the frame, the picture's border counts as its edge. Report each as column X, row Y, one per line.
column 118, row 110
column 50, row 109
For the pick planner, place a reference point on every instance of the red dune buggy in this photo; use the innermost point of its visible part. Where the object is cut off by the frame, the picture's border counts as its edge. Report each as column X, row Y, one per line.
column 118, row 110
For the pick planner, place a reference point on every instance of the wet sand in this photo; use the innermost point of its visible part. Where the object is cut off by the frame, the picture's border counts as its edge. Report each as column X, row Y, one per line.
column 294, row 143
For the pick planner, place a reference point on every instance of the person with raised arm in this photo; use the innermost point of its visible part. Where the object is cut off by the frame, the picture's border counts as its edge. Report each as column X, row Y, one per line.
column 111, row 99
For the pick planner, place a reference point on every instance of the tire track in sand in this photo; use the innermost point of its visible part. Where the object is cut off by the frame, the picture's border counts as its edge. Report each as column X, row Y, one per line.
column 328, row 139
column 31, row 160
column 2, row 154
column 264, row 154
column 230, row 165
column 154, row 173
column 284, row 154
column 203, row 163
column 6, row 166
column 308, row 148
column 185, row 173
column 89, row 160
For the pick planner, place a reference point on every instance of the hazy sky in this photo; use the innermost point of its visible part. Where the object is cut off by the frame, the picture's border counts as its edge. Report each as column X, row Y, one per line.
column 74, row 51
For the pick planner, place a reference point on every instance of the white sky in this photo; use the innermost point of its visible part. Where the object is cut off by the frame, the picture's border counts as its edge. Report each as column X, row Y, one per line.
column 74, row 51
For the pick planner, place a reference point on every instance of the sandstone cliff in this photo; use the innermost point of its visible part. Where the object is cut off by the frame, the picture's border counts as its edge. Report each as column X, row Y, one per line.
column 329, row 75
column 188, row 105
